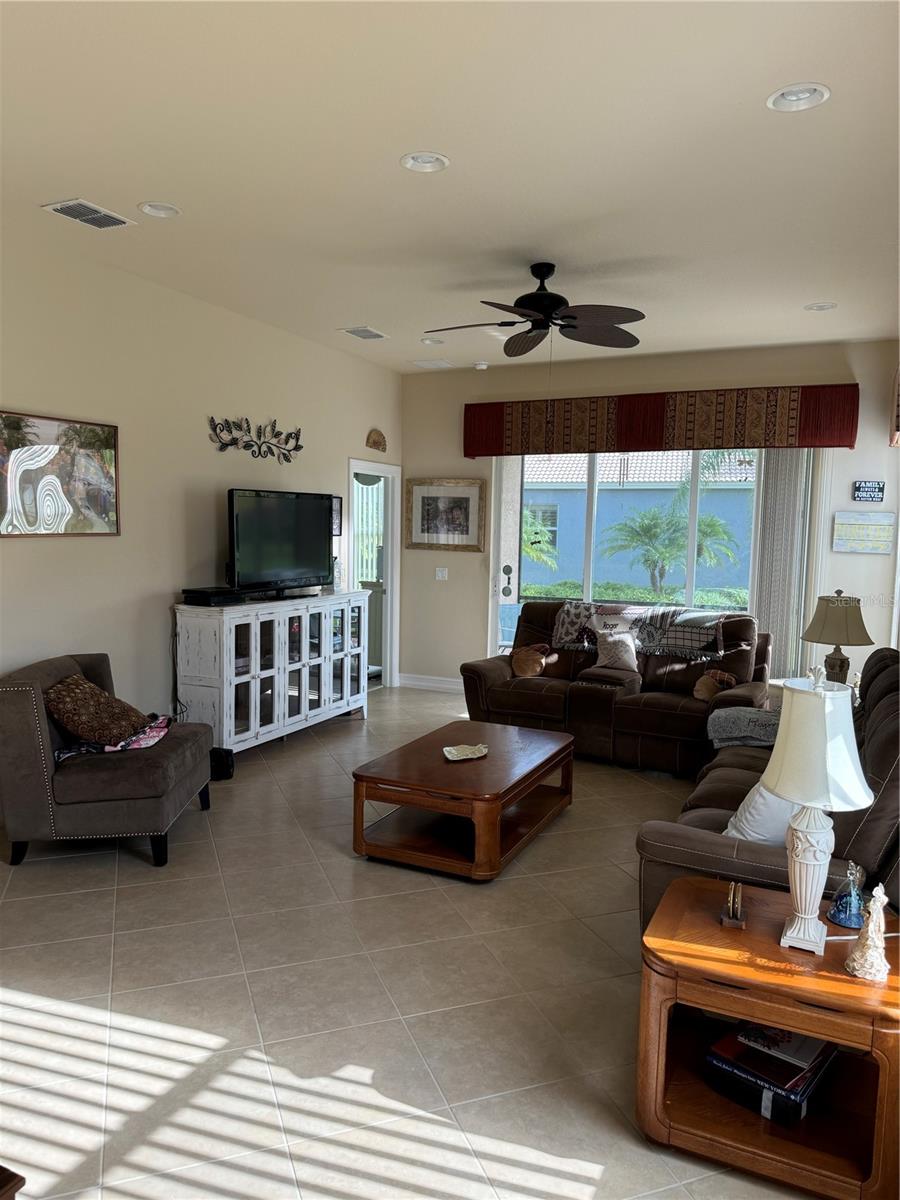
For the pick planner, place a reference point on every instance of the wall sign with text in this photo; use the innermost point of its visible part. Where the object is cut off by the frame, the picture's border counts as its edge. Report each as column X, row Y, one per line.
column 869, row 490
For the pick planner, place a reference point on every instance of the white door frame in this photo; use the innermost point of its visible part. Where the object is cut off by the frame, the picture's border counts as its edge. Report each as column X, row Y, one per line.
column 390, row 675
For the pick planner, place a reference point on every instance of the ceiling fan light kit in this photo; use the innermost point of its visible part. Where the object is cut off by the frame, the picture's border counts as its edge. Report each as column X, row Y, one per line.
column 543, row 310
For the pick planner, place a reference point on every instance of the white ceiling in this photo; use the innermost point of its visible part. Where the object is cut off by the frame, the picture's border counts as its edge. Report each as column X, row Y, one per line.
column 628, row 142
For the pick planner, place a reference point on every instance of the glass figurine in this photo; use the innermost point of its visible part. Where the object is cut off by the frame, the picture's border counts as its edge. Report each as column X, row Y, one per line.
column 847, row 906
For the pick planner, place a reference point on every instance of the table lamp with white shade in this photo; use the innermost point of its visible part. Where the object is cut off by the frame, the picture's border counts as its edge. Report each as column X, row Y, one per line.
column 814, row 764
column 837, row 622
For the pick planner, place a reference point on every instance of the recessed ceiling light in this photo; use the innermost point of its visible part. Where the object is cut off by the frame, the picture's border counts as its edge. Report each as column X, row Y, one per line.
column 156, row 208
column 797, row 97
column 480, row 366
column 432, row 341
column 425, row 161
column 820, row 306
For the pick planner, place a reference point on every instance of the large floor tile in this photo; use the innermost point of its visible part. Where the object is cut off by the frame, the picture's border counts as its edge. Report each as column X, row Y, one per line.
column 418, row 1158
column 191, row 826
column 556, row 954
column 584, row 848
column 360, row 878
column 314, row 997
column 589, row 891
column 267, row 850
column 405, row 919
column 621, row 931
column 436, row 975
column 56, row 1040
column 598, row 1021
column 734, row 1185
column 504, row 903
column 332, row 841
column 186, row 860
column 496, row 1046
column 250, row 821
column 270, row 888
column 73, row 873
column 262, row 1175
column 176, row 902
column 589, row 812
column 561, row 1139
column 57, row 970
column 53, row 1136
column 295, row 935
column 181, row 1022
column 328, row 1082
column 56, row 918
column 174, row 953
column 192, row 1112
column 318, row 813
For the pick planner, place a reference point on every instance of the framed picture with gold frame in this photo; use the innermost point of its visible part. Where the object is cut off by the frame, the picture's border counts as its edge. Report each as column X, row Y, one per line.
column 58, row 476
column 445, row 514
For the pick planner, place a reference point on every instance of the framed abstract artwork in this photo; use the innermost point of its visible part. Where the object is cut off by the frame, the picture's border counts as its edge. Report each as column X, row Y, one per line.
column 57, row 476
column 445, row 514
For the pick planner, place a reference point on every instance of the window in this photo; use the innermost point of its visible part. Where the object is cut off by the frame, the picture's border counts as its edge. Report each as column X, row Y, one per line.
column 539, row 524
column 666, row 527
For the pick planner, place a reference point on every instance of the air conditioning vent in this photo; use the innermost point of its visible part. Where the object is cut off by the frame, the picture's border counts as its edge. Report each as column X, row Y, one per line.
column 88, row 214
column 365, row 332
column 432, row 364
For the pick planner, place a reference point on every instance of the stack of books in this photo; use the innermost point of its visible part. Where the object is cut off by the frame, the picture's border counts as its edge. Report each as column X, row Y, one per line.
column 773, row 1071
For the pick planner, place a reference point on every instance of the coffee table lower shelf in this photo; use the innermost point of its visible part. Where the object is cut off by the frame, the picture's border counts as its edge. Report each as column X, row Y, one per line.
column 446, row 842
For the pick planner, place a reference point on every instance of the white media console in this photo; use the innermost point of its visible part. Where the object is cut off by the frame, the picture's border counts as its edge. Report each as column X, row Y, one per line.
column 259, row 671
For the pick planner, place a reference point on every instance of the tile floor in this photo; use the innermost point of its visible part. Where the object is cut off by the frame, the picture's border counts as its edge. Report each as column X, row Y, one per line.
column 270, row 1017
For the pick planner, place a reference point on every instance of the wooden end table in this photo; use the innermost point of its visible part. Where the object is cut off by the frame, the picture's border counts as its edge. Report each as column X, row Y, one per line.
column 847, row 1144
column 466, row 818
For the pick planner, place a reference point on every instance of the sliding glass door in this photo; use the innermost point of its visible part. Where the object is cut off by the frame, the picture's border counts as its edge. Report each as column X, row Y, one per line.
column 651, row 528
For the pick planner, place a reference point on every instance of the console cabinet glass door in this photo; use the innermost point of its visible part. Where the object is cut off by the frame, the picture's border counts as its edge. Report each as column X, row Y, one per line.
column 242, row 657
column 294, row 635
column 265, row 680
column 355, row 684
column 317, row 648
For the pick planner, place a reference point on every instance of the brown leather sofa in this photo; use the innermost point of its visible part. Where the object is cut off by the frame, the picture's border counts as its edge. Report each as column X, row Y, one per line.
column 135, row 793
column 646, row 718
column 695, row 844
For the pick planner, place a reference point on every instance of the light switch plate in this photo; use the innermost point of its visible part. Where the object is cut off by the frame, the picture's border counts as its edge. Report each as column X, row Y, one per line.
column 441, row 574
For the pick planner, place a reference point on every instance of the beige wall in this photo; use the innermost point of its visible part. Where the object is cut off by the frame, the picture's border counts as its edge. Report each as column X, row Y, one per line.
column 446, row 623
column 89, row 342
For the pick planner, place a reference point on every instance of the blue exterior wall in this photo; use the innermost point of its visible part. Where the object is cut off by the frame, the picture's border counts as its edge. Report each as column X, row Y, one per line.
column 614, row 504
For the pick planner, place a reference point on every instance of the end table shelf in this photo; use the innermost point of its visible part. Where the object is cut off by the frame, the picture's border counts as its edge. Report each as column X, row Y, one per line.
column 695, row 970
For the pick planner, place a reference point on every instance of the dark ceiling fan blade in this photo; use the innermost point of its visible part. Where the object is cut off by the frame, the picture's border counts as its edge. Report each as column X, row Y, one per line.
column 521, row 343
column 480, row 325
column 595, row 335
column 519, row 312
column 598, row 314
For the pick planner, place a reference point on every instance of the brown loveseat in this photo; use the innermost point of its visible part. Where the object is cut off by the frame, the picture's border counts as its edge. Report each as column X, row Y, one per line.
column 646, row 718
column 695, row 844
column 133, row 793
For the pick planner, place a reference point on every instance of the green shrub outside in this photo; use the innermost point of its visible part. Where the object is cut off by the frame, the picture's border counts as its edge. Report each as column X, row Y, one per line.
column 627, row 593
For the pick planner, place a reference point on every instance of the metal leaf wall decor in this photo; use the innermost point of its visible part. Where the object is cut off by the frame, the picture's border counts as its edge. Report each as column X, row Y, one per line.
column 269, row 441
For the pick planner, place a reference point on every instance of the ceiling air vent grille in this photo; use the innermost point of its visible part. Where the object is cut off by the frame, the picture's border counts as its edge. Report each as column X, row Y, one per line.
column 88, row 214
column 365, row 332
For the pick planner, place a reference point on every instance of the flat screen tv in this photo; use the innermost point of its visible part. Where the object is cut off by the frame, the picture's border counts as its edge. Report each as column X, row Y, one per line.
column 279, row 539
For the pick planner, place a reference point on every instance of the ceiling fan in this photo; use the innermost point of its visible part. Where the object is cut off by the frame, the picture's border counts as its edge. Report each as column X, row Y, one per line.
column 542, row 310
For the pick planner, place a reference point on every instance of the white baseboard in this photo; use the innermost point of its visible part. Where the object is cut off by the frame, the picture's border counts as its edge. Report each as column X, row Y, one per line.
column 432, row 683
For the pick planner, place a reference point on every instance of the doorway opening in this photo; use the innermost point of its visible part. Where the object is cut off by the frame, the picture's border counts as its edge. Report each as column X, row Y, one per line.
column 374, row 561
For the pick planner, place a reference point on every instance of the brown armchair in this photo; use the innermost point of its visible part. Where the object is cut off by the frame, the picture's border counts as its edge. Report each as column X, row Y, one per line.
column 135, row 793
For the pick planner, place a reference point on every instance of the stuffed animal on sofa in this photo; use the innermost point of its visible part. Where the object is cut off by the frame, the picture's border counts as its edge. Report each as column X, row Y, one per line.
column 531, row 660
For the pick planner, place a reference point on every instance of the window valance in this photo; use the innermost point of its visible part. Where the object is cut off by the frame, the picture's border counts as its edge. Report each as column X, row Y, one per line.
column 727, row 418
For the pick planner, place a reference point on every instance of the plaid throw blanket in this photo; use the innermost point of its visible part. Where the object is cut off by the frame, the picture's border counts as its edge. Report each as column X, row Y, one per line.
column 688, row 633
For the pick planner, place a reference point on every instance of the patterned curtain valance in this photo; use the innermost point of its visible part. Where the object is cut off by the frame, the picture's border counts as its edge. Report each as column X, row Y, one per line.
column 748, row 418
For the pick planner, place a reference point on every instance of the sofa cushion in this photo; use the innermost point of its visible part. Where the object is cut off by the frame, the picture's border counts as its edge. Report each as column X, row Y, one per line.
column 663, row 674
column 744, row 758
column 724, row 787
column 539, row 697
column 132, row 774
column 662, row 714
column 91, row 714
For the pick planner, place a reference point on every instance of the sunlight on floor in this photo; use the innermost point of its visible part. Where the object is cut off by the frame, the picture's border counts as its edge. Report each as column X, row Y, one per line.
column 132, row 1097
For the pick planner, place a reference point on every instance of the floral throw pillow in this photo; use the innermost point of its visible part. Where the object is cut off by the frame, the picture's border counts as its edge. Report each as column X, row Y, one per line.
column 90, row 714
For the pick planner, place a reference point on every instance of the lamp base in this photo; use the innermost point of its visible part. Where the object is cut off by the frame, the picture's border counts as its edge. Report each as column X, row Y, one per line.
column 809, row 841
column 837, row 666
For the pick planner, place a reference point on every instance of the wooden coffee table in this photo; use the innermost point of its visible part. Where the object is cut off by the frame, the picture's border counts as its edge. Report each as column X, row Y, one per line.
column 846, row 1147
column 466, row 818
